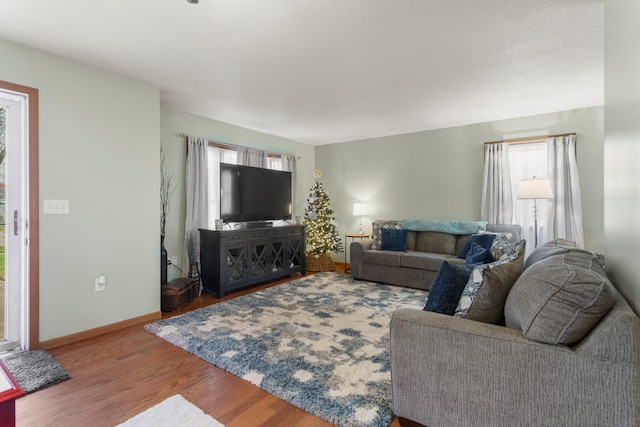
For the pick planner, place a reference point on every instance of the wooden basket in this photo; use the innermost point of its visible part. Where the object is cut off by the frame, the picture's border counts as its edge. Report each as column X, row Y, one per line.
column 321, row 262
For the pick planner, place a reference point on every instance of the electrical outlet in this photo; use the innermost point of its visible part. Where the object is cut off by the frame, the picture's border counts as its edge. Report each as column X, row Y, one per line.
column 101, row 283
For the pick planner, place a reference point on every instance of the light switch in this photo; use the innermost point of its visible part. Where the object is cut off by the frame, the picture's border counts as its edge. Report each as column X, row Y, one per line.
column 55, row 206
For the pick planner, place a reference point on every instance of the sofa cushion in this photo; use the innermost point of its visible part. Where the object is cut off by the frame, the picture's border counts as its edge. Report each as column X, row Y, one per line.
column 553, row 247
column 391, row 258
column 484, row 295
column 423, row 260
column 485, row 240
column 435, row 242
column 394, row 239
column 559, row 299
column 376, row 231
column 478, row 255
column 447, row 287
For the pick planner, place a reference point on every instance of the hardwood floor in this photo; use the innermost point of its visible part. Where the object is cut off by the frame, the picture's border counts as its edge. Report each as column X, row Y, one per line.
column 120, row 374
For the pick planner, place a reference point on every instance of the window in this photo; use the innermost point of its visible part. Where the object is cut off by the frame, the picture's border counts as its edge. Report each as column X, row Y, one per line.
column 528, row 161
column 553, row 158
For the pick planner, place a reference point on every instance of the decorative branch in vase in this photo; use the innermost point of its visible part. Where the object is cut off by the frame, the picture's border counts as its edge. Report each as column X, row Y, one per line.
column 166, row 190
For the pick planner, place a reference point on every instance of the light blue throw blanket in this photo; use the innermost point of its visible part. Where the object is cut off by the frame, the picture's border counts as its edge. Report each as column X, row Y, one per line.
column 443, row 226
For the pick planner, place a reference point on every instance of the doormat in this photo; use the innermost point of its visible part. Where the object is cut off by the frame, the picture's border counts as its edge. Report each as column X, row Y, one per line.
column 35, row 370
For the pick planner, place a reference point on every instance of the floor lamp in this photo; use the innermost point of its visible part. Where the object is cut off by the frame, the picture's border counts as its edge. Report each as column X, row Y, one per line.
column 536, row 188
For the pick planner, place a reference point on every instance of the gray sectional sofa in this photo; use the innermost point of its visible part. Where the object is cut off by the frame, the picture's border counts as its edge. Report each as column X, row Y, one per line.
column 426, row 251
column 567, row 355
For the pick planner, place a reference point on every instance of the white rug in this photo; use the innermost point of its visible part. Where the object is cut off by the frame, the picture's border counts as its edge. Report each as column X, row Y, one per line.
column 173, row 412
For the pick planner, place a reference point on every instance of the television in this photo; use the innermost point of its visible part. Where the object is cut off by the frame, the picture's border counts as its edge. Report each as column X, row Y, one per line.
column 250, row 194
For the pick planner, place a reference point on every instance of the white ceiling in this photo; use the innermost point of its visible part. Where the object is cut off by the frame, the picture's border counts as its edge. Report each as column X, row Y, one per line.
column 326, row 71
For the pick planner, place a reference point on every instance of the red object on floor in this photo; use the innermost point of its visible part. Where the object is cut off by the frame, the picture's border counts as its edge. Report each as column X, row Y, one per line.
column 9, row 392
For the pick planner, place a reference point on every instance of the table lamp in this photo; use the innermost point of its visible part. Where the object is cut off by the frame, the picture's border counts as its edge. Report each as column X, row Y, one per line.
column 360, row 209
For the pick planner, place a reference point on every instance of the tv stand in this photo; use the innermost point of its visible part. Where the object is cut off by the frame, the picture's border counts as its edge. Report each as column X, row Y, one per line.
column 232, row 259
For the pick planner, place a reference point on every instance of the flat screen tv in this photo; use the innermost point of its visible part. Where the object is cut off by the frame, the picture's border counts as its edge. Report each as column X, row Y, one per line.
column 249, row 194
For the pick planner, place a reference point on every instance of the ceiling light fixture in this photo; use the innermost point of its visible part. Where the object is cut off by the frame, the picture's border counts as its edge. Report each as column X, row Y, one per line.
column 193, row 1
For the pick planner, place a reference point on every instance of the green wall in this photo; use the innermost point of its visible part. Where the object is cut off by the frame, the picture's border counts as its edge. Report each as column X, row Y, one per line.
column 99, row 142
column 622, row 146
column 438, row 174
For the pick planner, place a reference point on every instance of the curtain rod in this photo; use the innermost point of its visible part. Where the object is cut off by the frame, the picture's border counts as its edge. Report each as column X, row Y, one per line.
column 234, row 147
column 529, row 139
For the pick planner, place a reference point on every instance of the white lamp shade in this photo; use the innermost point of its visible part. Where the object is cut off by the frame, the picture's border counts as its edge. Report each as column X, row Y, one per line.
column 359, row 209
column 537, row 188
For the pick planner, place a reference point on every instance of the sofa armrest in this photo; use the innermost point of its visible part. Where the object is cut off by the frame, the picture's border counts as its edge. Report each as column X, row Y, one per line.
column 448, row 371
column 357, row 248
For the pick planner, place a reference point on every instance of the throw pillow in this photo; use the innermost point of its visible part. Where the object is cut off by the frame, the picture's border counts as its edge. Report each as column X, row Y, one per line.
column 559, row 299
column 447, row 287
column 484, row 295
column 483, row 239
column 394, row 239
column 502, row 243
column 478, row 255
column 376, row 231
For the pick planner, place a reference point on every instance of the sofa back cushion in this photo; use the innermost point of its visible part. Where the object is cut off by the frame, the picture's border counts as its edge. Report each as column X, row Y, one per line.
column 433, row 241
column 559, row 299
column 551, row 248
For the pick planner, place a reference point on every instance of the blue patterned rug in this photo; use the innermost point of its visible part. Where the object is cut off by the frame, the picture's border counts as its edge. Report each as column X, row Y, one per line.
column 321, row 343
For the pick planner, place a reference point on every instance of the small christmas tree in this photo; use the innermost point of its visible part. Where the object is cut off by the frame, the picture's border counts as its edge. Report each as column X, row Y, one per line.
column 321, row 232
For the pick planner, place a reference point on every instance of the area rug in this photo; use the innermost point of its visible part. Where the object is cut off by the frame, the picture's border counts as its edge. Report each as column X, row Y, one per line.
column 321, row 343
column 35, row 370
column 172, row 412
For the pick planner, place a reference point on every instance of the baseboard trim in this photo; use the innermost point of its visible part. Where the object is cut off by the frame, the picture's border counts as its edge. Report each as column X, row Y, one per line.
column 90, row 333
column 340, row 266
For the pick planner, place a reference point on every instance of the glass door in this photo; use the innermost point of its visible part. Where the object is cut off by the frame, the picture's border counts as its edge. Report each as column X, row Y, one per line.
column 12, row 209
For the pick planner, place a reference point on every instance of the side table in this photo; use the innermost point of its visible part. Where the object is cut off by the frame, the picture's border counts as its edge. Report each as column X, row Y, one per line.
column 9, row 392
column 353, row 237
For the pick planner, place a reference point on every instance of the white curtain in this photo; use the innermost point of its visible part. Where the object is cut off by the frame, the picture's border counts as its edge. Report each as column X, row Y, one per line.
column 497, row 205
column 197, row 192
column 253, row 157
column 289, row 164
column 217, row 156
column 565, row 216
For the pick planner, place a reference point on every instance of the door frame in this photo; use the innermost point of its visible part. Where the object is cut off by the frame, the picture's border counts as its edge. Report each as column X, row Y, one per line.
column 33, row 222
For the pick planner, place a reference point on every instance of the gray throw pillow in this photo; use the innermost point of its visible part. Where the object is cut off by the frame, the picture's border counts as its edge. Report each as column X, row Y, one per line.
column 559, row 299
column 484, row 296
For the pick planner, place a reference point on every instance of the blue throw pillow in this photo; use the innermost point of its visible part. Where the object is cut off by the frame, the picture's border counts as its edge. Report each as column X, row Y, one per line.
column 394, row 239
column 446, row 289
column 484, row 239
column 478, row 255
